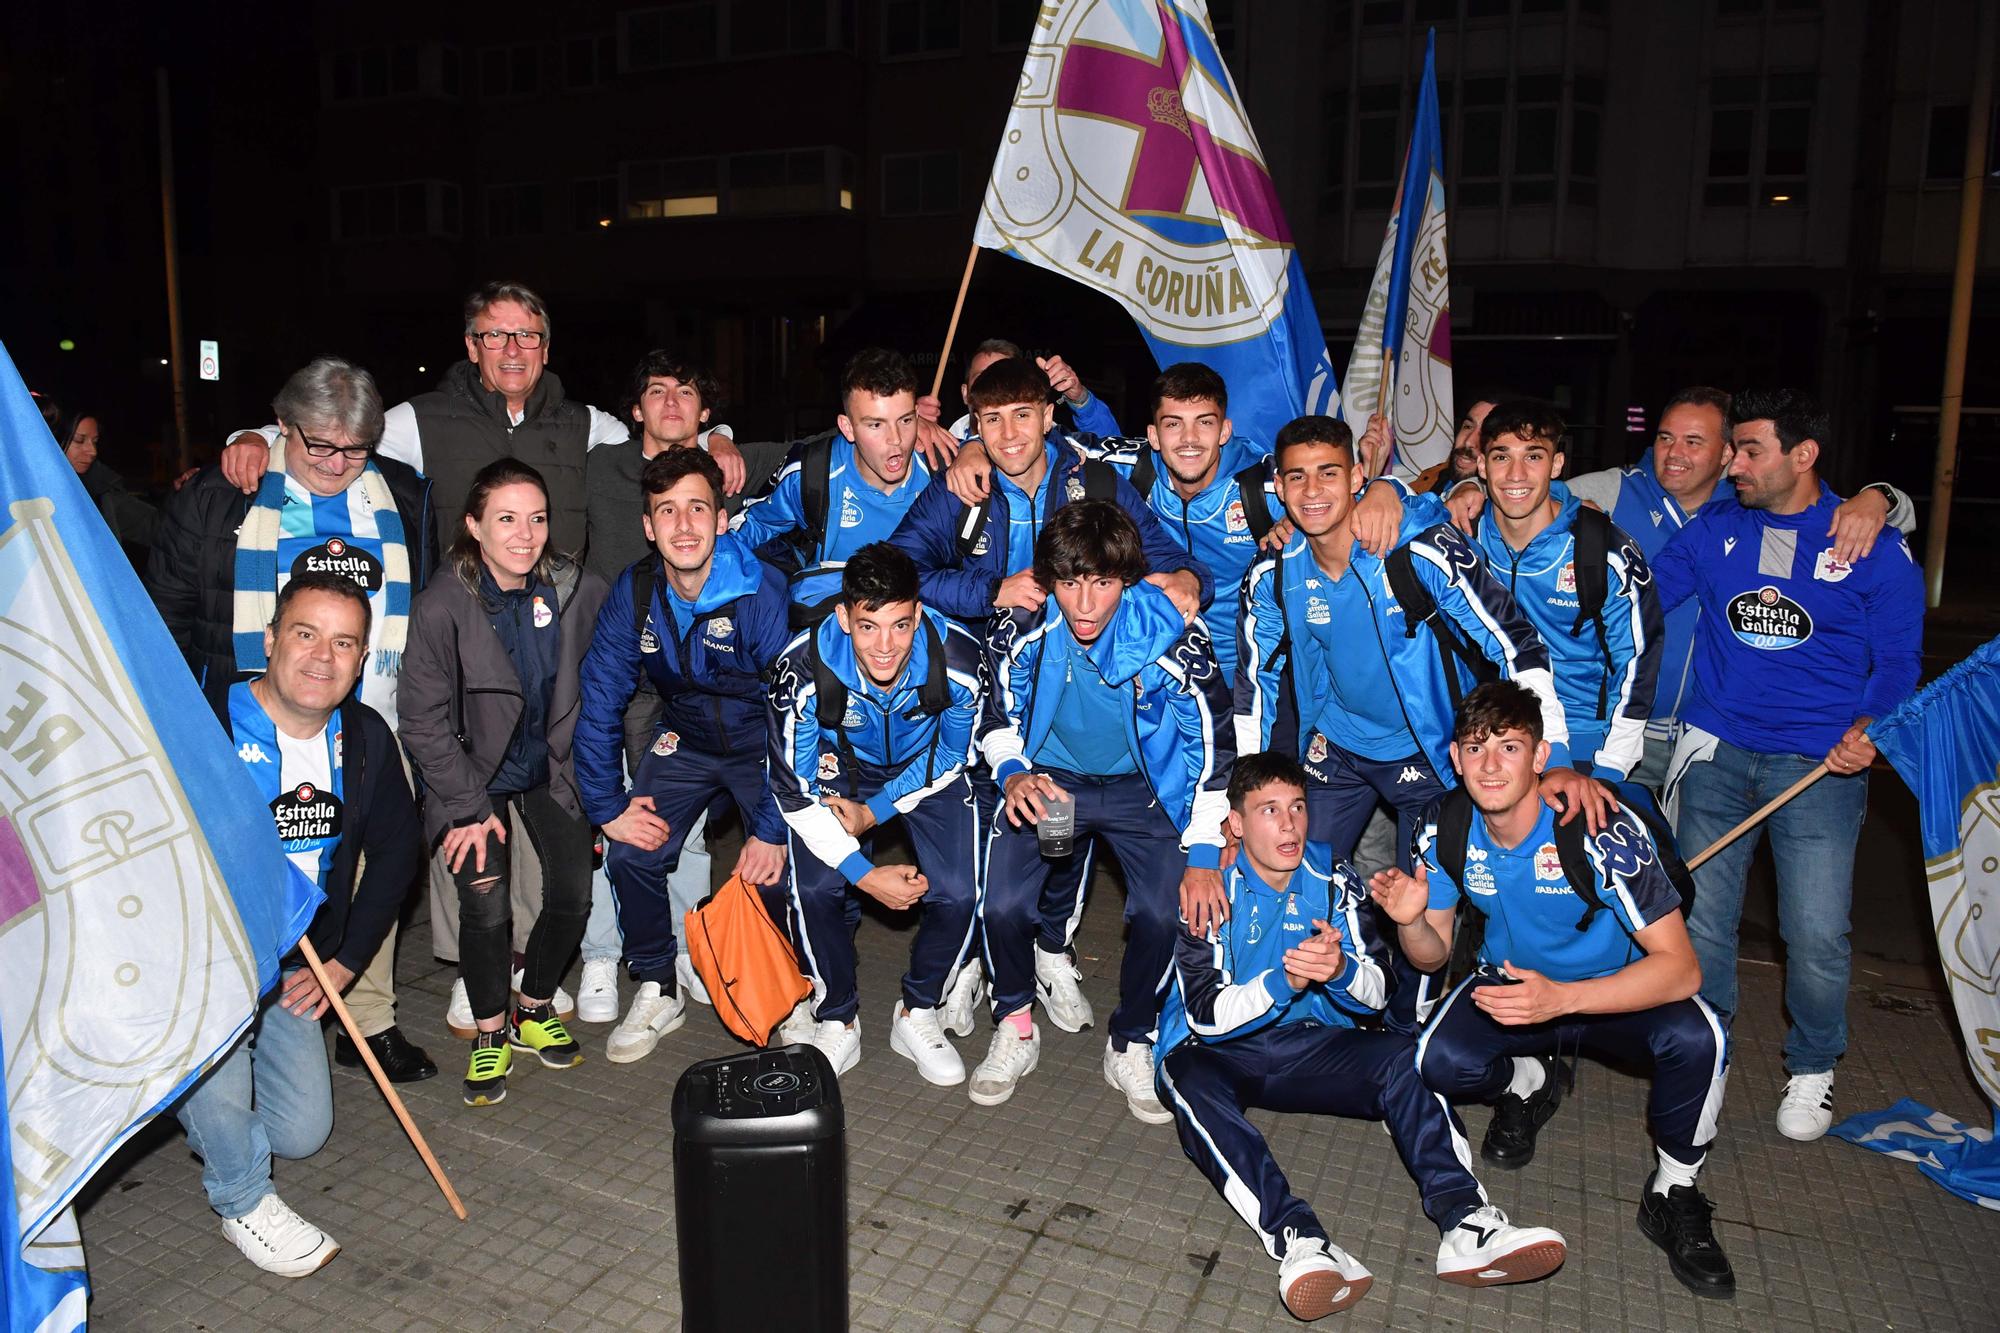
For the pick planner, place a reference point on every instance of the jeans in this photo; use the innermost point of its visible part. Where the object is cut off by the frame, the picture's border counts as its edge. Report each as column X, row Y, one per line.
column 270, row 1094
column 1812, row 842
column 485, row 917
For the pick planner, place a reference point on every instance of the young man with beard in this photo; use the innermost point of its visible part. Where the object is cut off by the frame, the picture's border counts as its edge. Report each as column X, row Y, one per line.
column 705, row 621
column 1585, row 948
column 1261, row 1012
column 1796, row 652
column 871, row 719
column 1104, row 696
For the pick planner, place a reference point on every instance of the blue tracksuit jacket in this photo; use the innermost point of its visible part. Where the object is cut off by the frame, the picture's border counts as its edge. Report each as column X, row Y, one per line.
column 1177, row 727
column 856, row 514
column 885, row 732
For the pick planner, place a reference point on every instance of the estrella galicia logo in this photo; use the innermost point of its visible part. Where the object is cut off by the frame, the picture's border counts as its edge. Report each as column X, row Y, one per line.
column 1767, row 619
column 335, row 556
column 306, row 817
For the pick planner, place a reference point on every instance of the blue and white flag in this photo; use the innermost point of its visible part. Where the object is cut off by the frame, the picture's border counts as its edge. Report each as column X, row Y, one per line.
column 1945, row 742
column 1401, row 363
column 144, row 899
column 1128, row 164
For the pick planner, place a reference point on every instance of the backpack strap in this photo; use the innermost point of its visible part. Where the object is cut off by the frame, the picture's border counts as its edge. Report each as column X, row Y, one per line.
column 1143, row 473
column 1420, row 608
column 1454, row 829
column 1590, row 558
column 830, row 695
column 815, row 495
column 934, row 695
column 1100, row 480
column 1577, row 868
column 642, row 590
column 972, row 521
column 1256, row 506
column 1283, row 649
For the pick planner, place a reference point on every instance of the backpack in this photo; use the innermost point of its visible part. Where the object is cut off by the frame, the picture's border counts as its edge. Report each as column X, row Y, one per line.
column 815, row 497
column 1591, row 560
column 1250, row 481
column 1419, row 609
column 1100, row 482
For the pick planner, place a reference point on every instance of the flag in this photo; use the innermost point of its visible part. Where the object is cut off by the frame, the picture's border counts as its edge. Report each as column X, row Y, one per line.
column 1401, row 364
column 1128, row 164
column 144, row 899
column 1945, row 743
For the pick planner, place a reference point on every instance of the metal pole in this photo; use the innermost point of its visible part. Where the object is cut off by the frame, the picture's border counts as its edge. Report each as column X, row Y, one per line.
column 175, row 349
column 1972, row 192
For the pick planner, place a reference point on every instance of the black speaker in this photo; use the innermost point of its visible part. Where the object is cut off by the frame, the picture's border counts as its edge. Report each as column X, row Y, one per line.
column 760, row 1193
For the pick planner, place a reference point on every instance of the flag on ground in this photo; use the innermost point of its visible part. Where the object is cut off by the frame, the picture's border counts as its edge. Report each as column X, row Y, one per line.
column 144, row 899
column 1401, row 363
column 1945, row 742
column 1128, row 164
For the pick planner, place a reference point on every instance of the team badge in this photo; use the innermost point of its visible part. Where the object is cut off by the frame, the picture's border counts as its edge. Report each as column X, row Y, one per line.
column 339, row 751
column 1316, row 748
column 721, row 627
column 829, row 767
column 1234, row 518
column 1073, row 489
column 543, row 615
column 1828, row 568
column 1548, row 862
column 1566, row 578
column 666, row 743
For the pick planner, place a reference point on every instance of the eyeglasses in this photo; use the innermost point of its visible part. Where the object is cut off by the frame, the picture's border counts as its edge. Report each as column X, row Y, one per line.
column 353, row 453
column 525, row 339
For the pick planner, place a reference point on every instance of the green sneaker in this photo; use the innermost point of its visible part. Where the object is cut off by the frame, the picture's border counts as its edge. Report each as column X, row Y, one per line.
column 540, row 1033
column 486, row 1073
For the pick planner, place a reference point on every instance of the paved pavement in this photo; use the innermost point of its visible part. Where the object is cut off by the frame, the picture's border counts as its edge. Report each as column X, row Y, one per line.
column 1056, row 1211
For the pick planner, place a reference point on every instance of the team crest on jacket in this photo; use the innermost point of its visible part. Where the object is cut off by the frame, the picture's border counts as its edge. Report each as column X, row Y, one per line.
column 1316, row 749
column 1073, row 488
column 1829, row 568
column 721, row 627
column 1548, row 862
column 1566, row 577
column 667, row 743
column 829, row 767
column 1234, row 518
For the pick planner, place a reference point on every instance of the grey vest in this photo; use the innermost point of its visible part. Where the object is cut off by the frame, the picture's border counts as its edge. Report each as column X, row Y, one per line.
column 464, row 427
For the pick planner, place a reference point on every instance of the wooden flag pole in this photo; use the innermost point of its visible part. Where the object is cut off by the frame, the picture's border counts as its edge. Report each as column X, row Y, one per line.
column 381, row 1079
column 1760, row 816
column 951, row 329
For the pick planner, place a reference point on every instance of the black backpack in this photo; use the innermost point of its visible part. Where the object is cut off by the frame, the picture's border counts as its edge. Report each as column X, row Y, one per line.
column 1100, row 482
column 1455, row 650
column 1250, row 481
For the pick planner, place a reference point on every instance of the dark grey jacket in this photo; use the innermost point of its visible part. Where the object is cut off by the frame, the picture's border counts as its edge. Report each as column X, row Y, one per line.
column 458, row 682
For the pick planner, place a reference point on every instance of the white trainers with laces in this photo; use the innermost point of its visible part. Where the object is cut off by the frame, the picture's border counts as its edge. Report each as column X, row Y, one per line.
column 1008, row 1060
column 691, row 980
column 278, row 1240
column 1486, row 1250
column 963, row 998
column 458, row 1014
column 841, row 1043
column 1131, row 1072
column 1806, row 1111
column 652, row 1016
column 918, row 1036
column 562, row 1000
column 798, row 1027
column 1056, row 983
column 597, row 993
column 1317, row 1278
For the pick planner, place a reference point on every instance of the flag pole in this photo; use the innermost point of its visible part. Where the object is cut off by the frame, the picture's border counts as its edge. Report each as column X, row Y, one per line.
column 951, row 329
column 1760, row 816
column 1972, row 190
column 381, row 1080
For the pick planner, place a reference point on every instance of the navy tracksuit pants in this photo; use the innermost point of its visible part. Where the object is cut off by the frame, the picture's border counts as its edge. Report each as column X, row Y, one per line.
column 1063, row 895
column 682, row 783
column 1120, row 810
column 1321, row 1071
column 1465, row 1056
column 945, row 829
column 1340, row 800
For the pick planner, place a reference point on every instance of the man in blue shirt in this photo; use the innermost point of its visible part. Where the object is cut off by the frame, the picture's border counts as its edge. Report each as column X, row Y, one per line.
column 1261, row 1013
column 1106, row 698
column 705, row 621
column 1584, row 948
column 1797, row 651
column 871, row 719
column 836, row 494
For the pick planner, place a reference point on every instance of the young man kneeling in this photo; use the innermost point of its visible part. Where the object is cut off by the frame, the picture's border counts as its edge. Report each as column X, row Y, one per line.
column 1262, row 1013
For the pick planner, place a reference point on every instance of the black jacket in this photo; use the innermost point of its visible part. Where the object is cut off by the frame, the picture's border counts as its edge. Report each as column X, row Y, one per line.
column 380, row 820
column 192, row 571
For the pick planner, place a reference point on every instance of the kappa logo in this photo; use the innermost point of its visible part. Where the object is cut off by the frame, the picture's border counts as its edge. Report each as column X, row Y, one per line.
column 1316, row 748
column 829, row 767
column 252, row 753
column 1829, row 568
column 1410, row 773
column 1548, row 862
column 1318, row 612
column 1566, row 578
column 1728, row 545
column 850, row 512
column 666, row 743
column 1073, row 488
column 1475, row 854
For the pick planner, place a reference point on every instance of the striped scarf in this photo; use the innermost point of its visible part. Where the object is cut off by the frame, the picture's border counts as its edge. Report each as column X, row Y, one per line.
column 257, row 567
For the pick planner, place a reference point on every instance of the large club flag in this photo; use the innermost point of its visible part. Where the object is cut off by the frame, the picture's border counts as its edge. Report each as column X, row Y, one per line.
column 144, row 899
column 1128, row 164
column 1401, row 363
column 1945, row 742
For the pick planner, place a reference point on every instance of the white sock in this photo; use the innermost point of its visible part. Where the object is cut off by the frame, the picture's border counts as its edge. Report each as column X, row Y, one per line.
column 1672, row 1173
column 1529, row 1075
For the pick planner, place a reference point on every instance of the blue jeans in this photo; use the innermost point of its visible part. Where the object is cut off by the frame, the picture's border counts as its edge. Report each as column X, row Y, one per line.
column 270, row 1094
column 1812, row 842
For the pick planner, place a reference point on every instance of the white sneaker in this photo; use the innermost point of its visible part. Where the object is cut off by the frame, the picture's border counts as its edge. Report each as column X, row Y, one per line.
column 1056, row 979
column 839, row 1042
column 652, row 1016
column 918, row 1036
column 565, row 1004
column 278, row 1240
column 1807, row 1109
column 963, row 997
column 1008, row 1060
column 1316, row 1278
column 458, row 1014
column 799, row 1026
column 691, row 980
column 1486, row 1250
column 1131, row 1072
column 597, row 994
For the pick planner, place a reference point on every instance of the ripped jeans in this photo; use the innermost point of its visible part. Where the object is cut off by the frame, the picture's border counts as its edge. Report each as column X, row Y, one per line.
column 485, row 929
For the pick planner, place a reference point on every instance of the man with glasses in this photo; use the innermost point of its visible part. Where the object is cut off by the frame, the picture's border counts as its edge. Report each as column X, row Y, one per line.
column 325, row 503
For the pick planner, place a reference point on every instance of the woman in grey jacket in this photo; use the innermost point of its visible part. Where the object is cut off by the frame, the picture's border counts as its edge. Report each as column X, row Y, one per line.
column 489, row 703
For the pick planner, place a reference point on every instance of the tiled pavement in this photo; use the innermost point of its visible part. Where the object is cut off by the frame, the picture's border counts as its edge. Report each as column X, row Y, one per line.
column 1055, row 1211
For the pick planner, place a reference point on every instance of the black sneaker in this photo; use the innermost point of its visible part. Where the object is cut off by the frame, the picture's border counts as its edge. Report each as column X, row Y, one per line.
column 1510, row 1138
column 1678, row 1222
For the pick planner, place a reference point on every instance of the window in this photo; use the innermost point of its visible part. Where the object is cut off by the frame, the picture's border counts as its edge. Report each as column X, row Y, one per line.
column 1333, row 191
column 404, row 208
column 1759, row 139
column 792, row 180
column 593, row 202
column 1944, row 143
column 678, row 34
column 509, row 71
column 1537, row 137
column 589, row 61
column 1382, row 13
column 775, row 27
column 914, row 184
column 684, row 188
column 1585, row 129
column 1377, row 160
column 1437, row 11
column 919, row 28
column 514, row 210
column 383, row 72
column 1480, row 133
